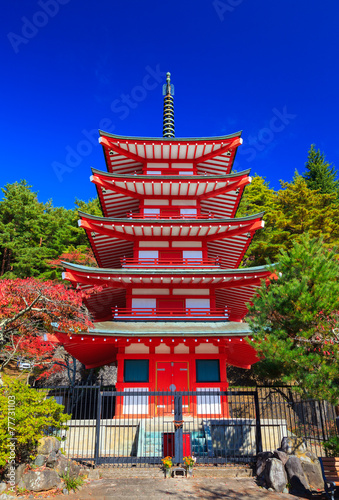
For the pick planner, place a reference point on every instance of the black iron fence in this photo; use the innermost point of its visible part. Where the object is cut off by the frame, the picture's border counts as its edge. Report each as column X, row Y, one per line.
column 139, row 427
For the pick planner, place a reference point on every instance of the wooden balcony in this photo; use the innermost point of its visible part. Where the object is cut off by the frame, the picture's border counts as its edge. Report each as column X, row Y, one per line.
column 153, row 314
column 156, row 262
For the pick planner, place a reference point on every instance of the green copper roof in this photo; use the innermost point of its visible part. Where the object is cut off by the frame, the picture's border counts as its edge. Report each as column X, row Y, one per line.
column 149, row 177
column 172, row 222
column 171, row 139
column 155, row 271
column 170, row 328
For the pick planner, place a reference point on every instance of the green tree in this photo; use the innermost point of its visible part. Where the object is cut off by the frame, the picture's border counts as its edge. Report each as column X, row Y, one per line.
column 23, row 225
column 33, row 233
column 320, row 174
column 29, row 414
column 259, row 197
column 294, row 320
column 289, row 213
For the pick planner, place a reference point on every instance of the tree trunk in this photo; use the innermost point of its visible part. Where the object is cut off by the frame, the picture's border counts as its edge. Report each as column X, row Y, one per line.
column 4, row 258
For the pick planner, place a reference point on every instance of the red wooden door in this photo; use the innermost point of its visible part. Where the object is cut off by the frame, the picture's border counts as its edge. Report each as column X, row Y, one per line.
column 171, row 376
column 168, row 212
column 169, row 444
column 174, row 256
column 174, row 306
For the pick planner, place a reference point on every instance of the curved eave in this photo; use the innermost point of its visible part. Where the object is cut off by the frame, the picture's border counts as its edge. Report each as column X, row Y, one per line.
column 206, row 230
column 97, row 347
column 171, row 222
column 160, row 178
column 227, row 239
column 130, row 155
column 170, row 139
column 255, row 271
column 216, row 193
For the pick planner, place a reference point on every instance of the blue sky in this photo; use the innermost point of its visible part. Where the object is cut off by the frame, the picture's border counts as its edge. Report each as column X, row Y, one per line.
column 69, row 67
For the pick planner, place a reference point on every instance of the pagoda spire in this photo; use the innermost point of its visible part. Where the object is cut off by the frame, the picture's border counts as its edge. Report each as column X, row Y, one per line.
column 168, row 120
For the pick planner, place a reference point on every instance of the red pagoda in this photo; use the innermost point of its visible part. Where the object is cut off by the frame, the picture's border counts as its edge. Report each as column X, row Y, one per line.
column 171, row 297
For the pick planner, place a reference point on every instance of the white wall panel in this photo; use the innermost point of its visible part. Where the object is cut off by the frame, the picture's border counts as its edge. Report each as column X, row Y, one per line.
column 198, row 303
column 144, row 303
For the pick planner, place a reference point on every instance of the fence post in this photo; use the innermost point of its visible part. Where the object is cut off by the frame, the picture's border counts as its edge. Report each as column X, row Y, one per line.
column 97, row 428
column 178, row 425
column 319, row 414
column 258, row 439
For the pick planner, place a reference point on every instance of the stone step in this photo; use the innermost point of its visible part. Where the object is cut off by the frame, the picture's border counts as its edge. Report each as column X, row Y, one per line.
column 228, row 471
column 108, row 472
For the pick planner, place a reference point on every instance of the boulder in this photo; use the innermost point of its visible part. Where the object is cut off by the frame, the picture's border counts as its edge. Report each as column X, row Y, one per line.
column 293, row 445
column 313, row 475
column 93, row 474
column 21, row 485
column 41, row 480
column 275, row 474
column 75, row 469
column 40, row 460
column 51, row 459
column 19, row 472
column 48, row 444
column 296, row 476
column 308, row 456
column 280, row 455
column 64, row 466
column 262, row 458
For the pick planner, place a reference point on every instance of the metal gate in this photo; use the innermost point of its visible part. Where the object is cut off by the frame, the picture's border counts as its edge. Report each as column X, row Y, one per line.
column 139, row 427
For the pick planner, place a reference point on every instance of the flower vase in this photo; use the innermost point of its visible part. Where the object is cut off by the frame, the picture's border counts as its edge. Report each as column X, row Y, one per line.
column 189, row 471
column 168, row 473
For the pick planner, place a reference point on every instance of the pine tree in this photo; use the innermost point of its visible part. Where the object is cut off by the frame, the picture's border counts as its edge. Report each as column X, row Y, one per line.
column 294, row 319
column 33, row 233
column 289, row 213
column 259, row 197
column 320, row 175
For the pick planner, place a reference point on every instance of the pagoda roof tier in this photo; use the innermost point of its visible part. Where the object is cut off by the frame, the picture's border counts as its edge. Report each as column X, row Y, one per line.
column 211, row 155
column 218, row 194
column 164, row 278
column 196, row 229
column 101, row 344
column 237, row 286
column 227, row 239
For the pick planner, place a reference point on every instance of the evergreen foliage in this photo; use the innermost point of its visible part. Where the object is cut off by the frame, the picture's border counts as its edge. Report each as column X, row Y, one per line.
column 259, row 197
column 34, row 233
column 294, row 319
column 289, row 213
column 320, row 175
column 33, row 415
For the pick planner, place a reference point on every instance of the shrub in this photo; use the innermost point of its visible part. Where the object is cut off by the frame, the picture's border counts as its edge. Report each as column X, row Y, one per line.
column 26, row 415
column 332, row 446
column 72, row 483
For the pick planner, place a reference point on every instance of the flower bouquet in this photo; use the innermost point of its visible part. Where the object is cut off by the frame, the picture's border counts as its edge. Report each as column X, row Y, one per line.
column 188, row 463
column 167, row 464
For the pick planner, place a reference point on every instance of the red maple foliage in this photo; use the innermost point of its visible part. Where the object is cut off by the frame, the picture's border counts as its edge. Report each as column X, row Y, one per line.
column 29, row 308
column 85, row 258
column 35, row 350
